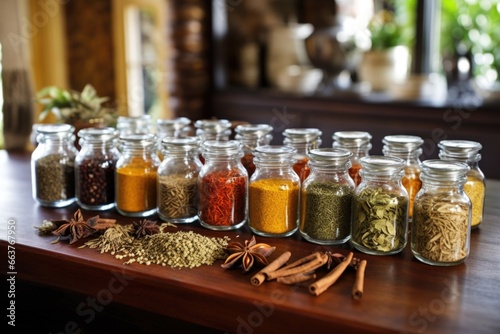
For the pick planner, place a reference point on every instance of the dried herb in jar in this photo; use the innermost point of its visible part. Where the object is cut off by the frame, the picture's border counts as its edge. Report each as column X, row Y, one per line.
column 440, row 228
column 379, row 220
column 326, row 211
column 55, row 178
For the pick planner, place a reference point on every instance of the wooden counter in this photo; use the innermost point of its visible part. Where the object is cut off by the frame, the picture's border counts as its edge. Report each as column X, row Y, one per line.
column 401, row 294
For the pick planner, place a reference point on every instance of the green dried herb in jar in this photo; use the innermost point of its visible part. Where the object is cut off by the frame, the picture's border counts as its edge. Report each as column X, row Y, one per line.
column 380, row 207
column 326, row 197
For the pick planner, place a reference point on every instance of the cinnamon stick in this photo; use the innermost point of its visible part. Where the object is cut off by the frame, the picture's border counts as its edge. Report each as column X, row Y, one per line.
column 296, row 278
column 321, row 285
column 357, row 289
column 260, row 277
column 315, row 261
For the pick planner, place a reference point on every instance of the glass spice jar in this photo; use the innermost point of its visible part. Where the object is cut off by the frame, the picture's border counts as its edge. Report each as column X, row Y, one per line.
column 252, row 136
column 409, row 149
column 468, row 152
column 52, row 165
column 178, row 180
column 213, row 129
column 171, row 128
column 134, row 125
column 95, row 168
column 274, row 192
column 135, row 176
column 222, row 186
column 380, row 207
column 441, row 221
column 358, row 142
column 302, row 140
column 326, row 197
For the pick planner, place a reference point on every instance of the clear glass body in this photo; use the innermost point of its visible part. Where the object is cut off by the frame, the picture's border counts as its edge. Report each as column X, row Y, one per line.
column 274, row 192
column 171, row 128
column 358, row 142
column 178, row 180
column 303, row 140
column 52, row 166
column 95, row 168
column 222, row 186
column 326, row 198
column 252, row 136
column 135, row 177
column 467, row 152
column 407, row 148
column 380, row 207
column 441, row 221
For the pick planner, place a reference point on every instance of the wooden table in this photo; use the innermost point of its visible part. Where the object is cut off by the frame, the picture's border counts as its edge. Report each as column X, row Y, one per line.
column 401, row 294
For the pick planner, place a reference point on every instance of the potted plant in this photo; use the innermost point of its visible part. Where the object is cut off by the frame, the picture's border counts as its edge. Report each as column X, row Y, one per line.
column 388, row 60
column 81, row 109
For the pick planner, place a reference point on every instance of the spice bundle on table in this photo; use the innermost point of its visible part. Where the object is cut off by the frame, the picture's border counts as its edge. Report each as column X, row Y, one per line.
column 330, row 195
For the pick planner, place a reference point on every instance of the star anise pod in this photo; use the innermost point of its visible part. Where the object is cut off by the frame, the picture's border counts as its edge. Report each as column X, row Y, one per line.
column 77, row 228
column 336, row 258
column 247, row 254
column 145, row 227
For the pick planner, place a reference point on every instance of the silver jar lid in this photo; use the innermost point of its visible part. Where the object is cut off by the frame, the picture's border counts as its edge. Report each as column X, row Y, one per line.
column 213, row 125
column 402, row 143
column 273, row 153
column 334, row 157
column 138, row 141
column 443, row 170
column 302, row 135
column 459, row 149
column 221, row 147
column 352, row 139
column 253, row 130
column 97, row 135
column 381, row 165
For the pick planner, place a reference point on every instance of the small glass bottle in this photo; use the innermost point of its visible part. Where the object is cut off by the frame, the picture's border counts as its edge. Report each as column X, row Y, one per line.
column 380, row 207
column 222, row 186
column 302, row 140
column 134, row 125
column 171, row 128
column 326, row 197
column 468, row 152
column 358, row 142
column 274, row 192
column 252, row 136
column 95, row 168
column 52, row 165
column 213, row 129
column 135, row 177
column 409, row 149
column 178, row 180
column 441, row 221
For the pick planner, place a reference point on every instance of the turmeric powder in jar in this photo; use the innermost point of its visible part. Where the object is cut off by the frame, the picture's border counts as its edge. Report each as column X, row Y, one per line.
column 135, row 177
column 467, row 152
column 274, row 192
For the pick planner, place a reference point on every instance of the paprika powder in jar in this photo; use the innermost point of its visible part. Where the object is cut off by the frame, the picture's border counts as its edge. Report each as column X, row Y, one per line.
column 302, row 140
column 252, row 136
column 222, row 186
column 409, row 149
column 135, row 176
column 358, row 142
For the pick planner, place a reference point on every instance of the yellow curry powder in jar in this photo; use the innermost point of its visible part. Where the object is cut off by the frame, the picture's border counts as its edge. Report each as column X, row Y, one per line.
column 467, row 152
column 274, row 192
column 135, row 178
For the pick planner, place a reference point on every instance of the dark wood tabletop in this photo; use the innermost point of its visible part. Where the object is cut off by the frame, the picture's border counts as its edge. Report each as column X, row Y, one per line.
column 401, row 294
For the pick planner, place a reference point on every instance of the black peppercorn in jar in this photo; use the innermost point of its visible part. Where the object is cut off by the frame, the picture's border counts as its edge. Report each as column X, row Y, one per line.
column 52, row 165
column 95, row 168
